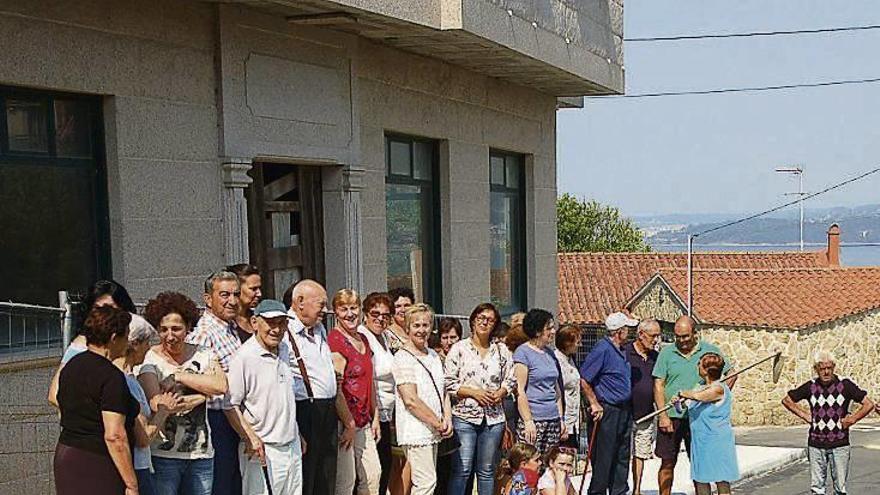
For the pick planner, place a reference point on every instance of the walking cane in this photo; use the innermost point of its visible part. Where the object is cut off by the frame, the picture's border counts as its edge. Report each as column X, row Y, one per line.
column 589, row 454
column 266, row 477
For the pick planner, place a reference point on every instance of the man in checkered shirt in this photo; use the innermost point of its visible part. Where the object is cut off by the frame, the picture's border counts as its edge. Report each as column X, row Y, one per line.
column 829, row 397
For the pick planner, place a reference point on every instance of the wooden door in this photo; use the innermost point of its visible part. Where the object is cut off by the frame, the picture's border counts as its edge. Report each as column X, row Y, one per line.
column 285, row 225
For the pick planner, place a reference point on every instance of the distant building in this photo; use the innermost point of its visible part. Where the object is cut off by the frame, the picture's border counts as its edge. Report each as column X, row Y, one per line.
column 751, row 305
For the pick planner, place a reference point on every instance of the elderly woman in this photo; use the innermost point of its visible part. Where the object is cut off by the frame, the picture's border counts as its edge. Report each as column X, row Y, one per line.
column 140, row 333
column 568, row 339
column 422, row 408
column 101, row 293
column 539, row 399
column 97, row 413
column 377, row 315
column 478, row 376
column 402, row 298
column 353, row 360
column 182, row 454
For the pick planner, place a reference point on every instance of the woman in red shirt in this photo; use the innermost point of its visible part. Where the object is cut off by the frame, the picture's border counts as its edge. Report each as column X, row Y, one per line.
column 359, row 459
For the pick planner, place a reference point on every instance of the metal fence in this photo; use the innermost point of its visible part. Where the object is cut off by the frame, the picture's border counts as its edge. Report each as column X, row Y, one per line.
column 30, row 331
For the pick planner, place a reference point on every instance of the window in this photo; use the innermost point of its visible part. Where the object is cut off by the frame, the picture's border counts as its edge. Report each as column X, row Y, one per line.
column 54, row 208
column 507, row 277
column 411, row 204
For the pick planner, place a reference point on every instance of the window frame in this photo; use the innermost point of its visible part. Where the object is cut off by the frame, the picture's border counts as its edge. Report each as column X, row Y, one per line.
column 519, row 278
column 96, row 163
column 434, row 256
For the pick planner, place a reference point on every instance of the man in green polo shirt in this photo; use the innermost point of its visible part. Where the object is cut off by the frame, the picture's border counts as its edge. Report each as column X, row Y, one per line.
column 676, row 370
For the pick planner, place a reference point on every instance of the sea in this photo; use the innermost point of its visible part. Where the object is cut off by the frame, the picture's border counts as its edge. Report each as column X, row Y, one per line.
column 850, row 254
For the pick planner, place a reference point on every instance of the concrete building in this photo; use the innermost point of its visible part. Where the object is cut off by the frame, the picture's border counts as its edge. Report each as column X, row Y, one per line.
column 364, row 143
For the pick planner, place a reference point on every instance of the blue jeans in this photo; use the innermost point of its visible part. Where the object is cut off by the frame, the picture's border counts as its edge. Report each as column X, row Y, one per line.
column 145, row 482
column 479, row 447
column 820, row 460
column 182, row 476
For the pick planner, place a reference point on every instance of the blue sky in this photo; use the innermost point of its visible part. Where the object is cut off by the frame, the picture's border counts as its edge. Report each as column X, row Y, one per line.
column 690, row 154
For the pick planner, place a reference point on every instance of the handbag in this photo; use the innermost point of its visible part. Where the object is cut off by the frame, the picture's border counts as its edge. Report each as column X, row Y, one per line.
column 447, row 445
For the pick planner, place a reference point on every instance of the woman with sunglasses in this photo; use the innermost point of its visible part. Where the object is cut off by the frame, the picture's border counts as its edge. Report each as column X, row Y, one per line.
column 478, row 376
column 377, row 310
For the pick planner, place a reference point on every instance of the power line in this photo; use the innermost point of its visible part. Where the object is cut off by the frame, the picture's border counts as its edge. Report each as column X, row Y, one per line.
column 790, row 203
column 753, row 34
column 748, row 89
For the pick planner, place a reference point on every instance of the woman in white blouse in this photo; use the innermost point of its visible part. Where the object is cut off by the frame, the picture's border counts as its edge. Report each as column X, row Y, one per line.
column 422, row 408
column 568, row 339
column 377, row 316
column 478, row 377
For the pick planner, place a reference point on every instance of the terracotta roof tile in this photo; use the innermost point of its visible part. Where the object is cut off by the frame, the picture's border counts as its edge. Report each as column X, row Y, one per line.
column 592, row 285
column 778, row 298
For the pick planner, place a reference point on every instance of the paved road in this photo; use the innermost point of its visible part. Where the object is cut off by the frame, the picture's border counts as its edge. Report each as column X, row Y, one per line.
column 864, row 477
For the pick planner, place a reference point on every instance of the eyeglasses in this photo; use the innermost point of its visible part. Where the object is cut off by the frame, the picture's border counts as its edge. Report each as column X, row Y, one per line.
column 485, row 320
column 379, row 316
column 568, row 450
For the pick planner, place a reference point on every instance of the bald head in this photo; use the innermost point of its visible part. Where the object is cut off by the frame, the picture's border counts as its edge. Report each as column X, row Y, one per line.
column 685, row 334
column 308, row 300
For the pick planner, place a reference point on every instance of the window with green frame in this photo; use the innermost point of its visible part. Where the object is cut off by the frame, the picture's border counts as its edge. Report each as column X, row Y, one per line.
column 53, row 185
column 412, row 217
column 507, row 222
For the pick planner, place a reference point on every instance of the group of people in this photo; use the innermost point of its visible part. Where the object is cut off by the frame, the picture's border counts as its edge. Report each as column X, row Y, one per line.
column 255, row 396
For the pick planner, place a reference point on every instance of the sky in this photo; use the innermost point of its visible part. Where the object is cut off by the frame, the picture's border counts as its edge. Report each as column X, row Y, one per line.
column 716, row 153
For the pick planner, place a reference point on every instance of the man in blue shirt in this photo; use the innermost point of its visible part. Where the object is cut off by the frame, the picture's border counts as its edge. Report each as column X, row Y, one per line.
column 606, row 383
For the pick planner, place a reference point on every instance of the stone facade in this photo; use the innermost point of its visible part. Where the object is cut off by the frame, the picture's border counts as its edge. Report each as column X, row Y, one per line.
column 853, row 340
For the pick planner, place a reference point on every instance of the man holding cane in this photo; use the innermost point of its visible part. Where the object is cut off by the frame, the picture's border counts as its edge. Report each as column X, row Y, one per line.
column 261, row 393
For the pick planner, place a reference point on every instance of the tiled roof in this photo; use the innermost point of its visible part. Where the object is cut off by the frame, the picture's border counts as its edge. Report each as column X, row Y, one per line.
column 592, row 285
column 778, row 298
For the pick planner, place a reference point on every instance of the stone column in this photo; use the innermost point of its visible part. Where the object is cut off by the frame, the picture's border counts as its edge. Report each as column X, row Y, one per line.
column 235, row 217
column 352, row 185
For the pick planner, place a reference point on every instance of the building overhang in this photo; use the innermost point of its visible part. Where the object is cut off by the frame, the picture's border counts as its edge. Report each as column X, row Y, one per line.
column 563, row 49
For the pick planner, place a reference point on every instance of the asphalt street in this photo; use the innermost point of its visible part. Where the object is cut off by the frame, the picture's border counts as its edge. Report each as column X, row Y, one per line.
column 794, row 479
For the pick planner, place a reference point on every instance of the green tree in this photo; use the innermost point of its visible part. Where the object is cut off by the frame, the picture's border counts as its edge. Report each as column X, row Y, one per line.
column 587, row 226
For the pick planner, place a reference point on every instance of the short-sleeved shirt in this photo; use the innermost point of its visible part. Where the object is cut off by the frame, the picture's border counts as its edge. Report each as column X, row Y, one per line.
column 261, row 387
column 357, row 379
column 185, row 435
column 88, row 385
column 681, row 372
column 316, row 356
column 222, row 339
column 142, row 458
column 466, row 368
column 383, row 360
column 547, row 482
column 641, row 374
column 829, row 404
column 408, row 370
column 524, row 482
column 607, row 370
column 571, row 389
column 543, row 377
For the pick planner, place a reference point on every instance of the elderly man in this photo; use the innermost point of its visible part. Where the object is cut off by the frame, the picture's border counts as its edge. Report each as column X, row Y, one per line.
column 676, row 370
column 606, row 384
column 319, row 407
column 217, row 330
column 829, row 397
column 642, row 356
column 261, row 392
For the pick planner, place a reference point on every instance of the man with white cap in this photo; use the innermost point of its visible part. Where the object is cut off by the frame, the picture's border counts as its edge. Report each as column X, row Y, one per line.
column 606, row 384
column 261, row 393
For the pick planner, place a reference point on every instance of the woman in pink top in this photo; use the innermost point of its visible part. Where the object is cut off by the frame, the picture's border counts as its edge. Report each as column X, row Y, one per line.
column 352, row 358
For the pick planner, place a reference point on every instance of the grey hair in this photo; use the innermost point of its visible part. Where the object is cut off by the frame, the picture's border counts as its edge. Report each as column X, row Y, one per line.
column 823, row 357
column 140, row 330
column 219, row 276
column 645, row 324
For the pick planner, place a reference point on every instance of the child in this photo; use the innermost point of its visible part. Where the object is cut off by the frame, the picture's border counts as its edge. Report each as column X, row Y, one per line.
column 556, row 479
column 518, row 473
column 713, row 449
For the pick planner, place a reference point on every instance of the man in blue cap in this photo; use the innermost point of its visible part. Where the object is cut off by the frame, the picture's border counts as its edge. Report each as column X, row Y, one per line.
column 261, row 393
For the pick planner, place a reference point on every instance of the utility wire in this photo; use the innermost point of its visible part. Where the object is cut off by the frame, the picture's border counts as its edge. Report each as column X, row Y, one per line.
column 780, row 87
column 785, row 205
column 753, row 34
